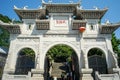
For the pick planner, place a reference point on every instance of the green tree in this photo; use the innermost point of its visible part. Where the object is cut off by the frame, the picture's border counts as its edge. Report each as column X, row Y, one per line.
column 4, row 37
column 95, row 51
column 4, row 34
column 5, row 19
column 115, row 44
column 28, row 52
column 60, row 52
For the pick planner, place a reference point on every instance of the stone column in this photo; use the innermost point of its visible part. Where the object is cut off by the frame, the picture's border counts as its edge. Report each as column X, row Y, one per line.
column 38, row 72
column 111, row 62
column 85, row 72
column 86, row 61
column 37, row 61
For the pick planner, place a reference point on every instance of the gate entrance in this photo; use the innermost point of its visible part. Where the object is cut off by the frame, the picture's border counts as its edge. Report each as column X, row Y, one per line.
column 97, row 61
column 25, row 61
column 59, row 23
column 62, row 63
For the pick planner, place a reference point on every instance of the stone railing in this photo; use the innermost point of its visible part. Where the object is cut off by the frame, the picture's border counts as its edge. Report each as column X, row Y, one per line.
column 42, row 24
column 107, row 76
column 76, row 24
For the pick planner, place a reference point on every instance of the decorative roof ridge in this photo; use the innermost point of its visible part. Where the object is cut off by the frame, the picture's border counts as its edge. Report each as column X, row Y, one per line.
column 61, row 4
column 28, row 9
column 104, row 9
column 111, row 24
column 3, row 50
column 7, row 24
column 80, row 21
column 25, row 8
column 42, row 20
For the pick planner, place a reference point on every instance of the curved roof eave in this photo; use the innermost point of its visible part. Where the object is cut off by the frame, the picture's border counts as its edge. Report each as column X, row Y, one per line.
column 3, row 50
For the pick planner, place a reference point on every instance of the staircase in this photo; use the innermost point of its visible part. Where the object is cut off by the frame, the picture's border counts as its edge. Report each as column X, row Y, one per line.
column 57, row 69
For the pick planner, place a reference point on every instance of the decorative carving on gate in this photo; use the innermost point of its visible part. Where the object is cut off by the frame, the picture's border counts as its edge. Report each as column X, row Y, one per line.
column 73, row 43
column 28, row 39
column 20, row 46
column 94, row 39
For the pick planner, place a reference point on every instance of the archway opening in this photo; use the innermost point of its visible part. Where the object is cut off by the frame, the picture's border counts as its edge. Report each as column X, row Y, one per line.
column 97, row 61
column 25, row 61
column 61, row 62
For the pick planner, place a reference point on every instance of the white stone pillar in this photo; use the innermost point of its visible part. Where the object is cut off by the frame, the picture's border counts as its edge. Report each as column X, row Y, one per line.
column 12, row 55
column 82, row 50
column 70, row 19
column 108, row 43
column 41, row 54
column 51, row 21
column 37, row 61
column 85, row 60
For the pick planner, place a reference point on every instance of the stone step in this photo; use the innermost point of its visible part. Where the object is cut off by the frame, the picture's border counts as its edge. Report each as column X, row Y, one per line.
column 57, row 70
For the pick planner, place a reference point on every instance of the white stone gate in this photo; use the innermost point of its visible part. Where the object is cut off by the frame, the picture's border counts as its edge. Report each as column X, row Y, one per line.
column 55, row 24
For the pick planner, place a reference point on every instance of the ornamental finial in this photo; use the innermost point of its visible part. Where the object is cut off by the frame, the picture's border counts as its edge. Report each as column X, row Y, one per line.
column 107, row 21
column 50, row 1
column 96, row 8
column 71, row 1
column 25, row 7
column 15, row 7
column 43, row 1
column 81, row 7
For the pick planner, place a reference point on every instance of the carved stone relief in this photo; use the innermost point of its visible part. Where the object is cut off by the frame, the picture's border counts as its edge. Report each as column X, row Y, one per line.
column 73, row 43
column 28, row 39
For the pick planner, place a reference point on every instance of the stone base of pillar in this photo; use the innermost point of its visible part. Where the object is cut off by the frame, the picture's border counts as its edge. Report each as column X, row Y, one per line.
column 116, row 70
column 110, row 70
column 86, row 74
column 37, row 74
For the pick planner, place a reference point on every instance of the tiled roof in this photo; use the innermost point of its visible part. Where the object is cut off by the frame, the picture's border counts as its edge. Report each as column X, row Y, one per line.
column 3, row 50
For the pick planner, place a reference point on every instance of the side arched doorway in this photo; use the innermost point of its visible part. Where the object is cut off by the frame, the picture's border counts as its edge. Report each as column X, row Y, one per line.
column 97, row 61
column 25, row 61
column 61, row 61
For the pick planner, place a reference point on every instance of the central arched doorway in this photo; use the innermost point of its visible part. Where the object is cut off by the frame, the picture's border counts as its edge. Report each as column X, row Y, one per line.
column 25, row 61
column 97, row 61
column 61, row 62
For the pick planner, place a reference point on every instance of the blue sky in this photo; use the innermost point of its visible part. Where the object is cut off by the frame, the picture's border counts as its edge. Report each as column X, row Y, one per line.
column 113, row 14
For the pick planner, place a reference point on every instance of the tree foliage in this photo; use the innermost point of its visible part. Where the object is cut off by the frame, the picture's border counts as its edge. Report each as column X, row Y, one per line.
column 4, row 37
column 5, row 19
column 60, row 52
column 4, row 34
column 28, row 52
column 95, row 51
column 116, row 44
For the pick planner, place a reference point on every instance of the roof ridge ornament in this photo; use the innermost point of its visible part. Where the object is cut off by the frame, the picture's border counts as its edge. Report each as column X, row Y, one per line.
column 13, row 20
column 25, row 7
column 71, row 1
column 43, row 1
column 96, row 8
column 107, row 21
column 15, row 7
column 50, row 1
column 81, row 7
column 79, row 2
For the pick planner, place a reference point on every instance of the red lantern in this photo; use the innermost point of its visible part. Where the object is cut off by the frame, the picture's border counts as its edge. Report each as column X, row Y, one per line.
column 82, row 29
